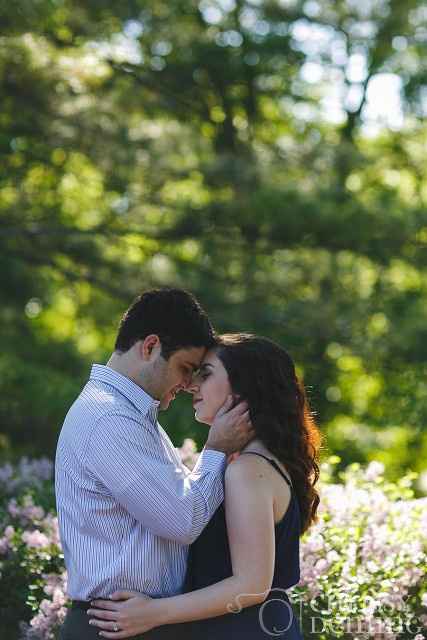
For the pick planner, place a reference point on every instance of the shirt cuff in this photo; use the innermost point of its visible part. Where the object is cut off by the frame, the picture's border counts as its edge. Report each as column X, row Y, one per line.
column 210, row 460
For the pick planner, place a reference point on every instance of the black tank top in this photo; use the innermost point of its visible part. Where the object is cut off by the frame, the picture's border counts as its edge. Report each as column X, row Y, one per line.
column 209, row 558
column 273, row 462
column 209, row 562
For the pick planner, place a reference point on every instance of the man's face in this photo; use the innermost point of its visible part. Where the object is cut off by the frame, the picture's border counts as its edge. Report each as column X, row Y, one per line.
column 174, row 375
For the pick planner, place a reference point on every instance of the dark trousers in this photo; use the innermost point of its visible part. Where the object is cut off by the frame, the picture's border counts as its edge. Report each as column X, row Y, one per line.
column 76, row 627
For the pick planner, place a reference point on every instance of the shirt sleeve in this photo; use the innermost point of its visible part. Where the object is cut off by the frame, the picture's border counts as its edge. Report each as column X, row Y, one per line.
column 129, row 461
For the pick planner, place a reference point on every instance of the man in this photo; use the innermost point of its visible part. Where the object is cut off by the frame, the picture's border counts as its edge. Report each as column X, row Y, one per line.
column 127, row 507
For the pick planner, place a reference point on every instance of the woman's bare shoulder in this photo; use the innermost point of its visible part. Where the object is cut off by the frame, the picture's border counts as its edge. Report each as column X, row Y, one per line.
column 249, row 467
column 245, row 466
column 250, row 464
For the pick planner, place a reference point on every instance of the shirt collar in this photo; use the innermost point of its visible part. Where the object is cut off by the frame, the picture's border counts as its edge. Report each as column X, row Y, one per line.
column 135, row 394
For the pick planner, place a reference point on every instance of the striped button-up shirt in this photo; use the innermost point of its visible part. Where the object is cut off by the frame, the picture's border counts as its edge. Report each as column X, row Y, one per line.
column 127, row 507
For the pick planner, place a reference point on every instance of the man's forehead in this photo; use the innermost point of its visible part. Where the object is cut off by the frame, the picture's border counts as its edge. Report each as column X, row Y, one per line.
column 192, row 356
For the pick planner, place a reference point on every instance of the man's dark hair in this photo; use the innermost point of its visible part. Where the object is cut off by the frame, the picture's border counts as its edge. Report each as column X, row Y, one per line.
column 172, row 314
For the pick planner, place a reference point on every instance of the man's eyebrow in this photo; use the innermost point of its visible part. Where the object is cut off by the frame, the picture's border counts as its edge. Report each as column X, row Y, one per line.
column 193, row 365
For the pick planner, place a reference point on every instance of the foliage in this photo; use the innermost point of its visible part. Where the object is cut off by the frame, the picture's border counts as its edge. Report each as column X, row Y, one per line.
column 240, row 149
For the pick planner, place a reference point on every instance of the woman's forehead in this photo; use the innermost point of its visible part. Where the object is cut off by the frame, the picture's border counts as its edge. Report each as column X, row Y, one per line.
column 210, row 358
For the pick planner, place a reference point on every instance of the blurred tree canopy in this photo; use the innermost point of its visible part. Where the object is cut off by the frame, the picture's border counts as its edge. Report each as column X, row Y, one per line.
column 267, row 155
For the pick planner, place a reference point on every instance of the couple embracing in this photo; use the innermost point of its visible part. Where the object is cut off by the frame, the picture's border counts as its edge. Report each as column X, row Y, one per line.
column 153, row 549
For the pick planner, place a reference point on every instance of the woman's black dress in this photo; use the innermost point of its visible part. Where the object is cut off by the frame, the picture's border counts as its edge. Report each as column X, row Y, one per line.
column 209, row 562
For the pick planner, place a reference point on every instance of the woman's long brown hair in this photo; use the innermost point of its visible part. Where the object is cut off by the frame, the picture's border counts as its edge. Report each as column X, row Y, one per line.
column 262, row 373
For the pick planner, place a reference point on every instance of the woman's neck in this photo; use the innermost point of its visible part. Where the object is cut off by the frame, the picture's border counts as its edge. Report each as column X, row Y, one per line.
column 256, row 445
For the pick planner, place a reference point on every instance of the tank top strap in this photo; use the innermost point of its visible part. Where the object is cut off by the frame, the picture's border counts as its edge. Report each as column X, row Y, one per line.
column 273, row 462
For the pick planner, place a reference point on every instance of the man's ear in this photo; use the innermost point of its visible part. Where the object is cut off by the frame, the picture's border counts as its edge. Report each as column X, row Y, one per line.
column 149, row 345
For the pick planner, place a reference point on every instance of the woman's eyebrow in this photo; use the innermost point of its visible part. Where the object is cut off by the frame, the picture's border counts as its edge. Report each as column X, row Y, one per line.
column 205, row 365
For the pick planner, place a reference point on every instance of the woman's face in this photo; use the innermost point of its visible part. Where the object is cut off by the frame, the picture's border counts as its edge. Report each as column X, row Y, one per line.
column 210, row 388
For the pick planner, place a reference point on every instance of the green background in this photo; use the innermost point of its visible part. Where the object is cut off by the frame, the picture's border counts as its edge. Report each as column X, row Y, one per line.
column 146, row 143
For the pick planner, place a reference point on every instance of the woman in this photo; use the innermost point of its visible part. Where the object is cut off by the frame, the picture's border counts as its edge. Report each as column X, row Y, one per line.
column 241, row 564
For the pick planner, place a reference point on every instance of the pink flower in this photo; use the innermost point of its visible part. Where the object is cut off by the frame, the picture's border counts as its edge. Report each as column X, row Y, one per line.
column 188, row 453
column 51, row 613
column 315, row 543
column 332, row 556
column 4, row 545
column 13, row 508
column 59, row 598
column 188, row 447
column 374, row 470
column 9, row 532
column 54, row 581
column 50, row 524
column 35, row 539
column 321, row 565
column 29, row 512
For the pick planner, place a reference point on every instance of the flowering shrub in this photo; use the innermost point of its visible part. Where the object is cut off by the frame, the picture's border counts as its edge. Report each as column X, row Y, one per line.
column 31, row 563
column 364, row 563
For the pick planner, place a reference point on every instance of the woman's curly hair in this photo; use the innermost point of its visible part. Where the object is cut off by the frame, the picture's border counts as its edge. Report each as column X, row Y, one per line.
column 263, row 374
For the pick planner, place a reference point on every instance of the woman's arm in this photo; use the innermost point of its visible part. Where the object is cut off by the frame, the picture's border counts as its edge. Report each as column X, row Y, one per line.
column 250, row 527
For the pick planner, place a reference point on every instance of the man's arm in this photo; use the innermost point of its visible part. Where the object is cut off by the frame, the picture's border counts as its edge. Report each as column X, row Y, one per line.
column 127, row 459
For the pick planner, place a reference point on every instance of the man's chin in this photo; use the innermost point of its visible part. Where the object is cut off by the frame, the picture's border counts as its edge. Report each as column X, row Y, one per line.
column 165, row 403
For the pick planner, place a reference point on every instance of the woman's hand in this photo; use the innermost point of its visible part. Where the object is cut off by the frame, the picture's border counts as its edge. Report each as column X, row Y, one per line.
column 125, row 614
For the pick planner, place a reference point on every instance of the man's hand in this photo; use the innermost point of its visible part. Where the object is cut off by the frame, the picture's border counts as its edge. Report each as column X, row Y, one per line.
column 231, row 429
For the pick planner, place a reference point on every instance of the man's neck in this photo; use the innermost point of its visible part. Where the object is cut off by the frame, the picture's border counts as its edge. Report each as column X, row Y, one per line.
column 119, row 365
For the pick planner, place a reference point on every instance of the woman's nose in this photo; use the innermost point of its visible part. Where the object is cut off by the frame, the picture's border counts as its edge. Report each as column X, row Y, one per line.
column 193, row 387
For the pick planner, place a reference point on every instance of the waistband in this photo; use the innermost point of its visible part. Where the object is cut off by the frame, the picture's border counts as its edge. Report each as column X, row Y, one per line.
column 80, row 604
